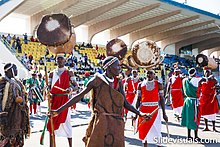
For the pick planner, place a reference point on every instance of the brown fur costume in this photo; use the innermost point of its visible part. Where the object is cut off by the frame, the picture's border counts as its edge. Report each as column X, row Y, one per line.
column 106, row 128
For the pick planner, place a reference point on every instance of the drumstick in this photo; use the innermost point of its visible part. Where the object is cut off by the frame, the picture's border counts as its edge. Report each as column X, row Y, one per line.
column 152, row 113
column 144, row 120
column 167, row 130
column 59, row 88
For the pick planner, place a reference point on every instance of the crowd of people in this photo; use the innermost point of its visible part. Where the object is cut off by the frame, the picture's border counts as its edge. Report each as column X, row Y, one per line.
column 115, row 92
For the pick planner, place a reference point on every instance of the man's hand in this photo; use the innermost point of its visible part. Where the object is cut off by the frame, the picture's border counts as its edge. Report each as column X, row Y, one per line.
column 69, row 90
column 146, row 116
column 165, row 117
column 53, row 113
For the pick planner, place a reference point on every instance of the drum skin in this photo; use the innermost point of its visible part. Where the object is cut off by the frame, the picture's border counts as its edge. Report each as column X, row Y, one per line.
column 204, row 61
column 56, row 32
column 117, row 48
column 146, row 54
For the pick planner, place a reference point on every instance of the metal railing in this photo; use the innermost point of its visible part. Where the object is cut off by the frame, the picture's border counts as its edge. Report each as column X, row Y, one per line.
column 13, row 51
column 8, row 45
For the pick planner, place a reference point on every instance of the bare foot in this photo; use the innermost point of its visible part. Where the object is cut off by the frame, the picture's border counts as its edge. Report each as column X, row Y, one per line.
column 214, row 130
column 206, row 129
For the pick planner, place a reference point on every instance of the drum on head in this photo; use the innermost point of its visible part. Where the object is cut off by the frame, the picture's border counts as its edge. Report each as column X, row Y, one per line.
column 146, row 54
column 204, row 61
column 117, row 48
column 56, row 32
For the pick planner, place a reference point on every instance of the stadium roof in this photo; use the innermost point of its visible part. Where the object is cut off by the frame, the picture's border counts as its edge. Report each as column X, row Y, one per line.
column 158, row 20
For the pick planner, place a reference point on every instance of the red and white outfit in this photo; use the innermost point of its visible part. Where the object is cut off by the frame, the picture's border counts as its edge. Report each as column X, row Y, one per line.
column 208, row 104
column 62, row 125
column 132, row 84
column 151, row 129
column 177, row 94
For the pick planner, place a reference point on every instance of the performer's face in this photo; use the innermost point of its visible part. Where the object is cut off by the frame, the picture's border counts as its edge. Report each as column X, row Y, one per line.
column 150, row 75
column 135, row 74
column 208, row 73
column 61, row 61
column 15, row 70
column 115, row 68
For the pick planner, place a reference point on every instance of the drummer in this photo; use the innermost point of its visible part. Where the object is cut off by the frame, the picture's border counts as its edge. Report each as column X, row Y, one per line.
column 33, row 84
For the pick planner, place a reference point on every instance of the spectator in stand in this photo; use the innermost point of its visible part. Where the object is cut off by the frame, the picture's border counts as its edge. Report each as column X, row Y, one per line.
column 8, row 38
column 103, row 56
column 96, row 47
column 25, row 38
column 73, row 67
column 88, row 45
column 18, row 45
column 75, row 60
column 30, row 57
column 97, row 56
column 83, row 44
column 41, row 62
column 86, row 60
column 91, row 45
column 52, row 59
column 32, row 39
column 80, row 61
column 4, row 38
column 14, row 37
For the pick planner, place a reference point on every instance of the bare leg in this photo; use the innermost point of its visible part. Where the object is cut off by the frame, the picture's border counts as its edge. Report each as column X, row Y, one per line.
column 213, row 125
column 189, row 134
column 51, row 142
column 196, row 136
column 70, row 142
column 206, row 125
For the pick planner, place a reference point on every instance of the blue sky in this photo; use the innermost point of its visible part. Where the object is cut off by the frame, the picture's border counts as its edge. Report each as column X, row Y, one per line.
column 212, row 6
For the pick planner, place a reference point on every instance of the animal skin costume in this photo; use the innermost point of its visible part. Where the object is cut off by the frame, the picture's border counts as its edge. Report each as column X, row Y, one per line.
column 15, row 125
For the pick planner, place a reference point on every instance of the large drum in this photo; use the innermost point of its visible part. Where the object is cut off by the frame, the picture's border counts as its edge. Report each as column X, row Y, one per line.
column 117, row 48
column 204, row 61
column 56, row 32
column 145, row 54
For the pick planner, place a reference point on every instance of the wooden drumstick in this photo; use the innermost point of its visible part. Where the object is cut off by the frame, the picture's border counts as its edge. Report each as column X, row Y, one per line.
column 144, row 120
column 167, row 129
column 152, row 113
column 59, row 88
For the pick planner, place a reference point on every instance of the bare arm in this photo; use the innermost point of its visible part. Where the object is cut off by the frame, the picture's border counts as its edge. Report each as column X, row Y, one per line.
column 126, row 104
column 168, row 89
column 131, row 108
column 139, row 95
column 73, row 82
column 161, row 101
column 76, row 98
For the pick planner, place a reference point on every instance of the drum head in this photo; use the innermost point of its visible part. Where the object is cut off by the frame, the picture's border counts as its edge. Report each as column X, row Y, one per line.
column 117, row 48
column 202, row 60
column 130, row 61
column 65, row 48
column 54, row 30
column 146, row 54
